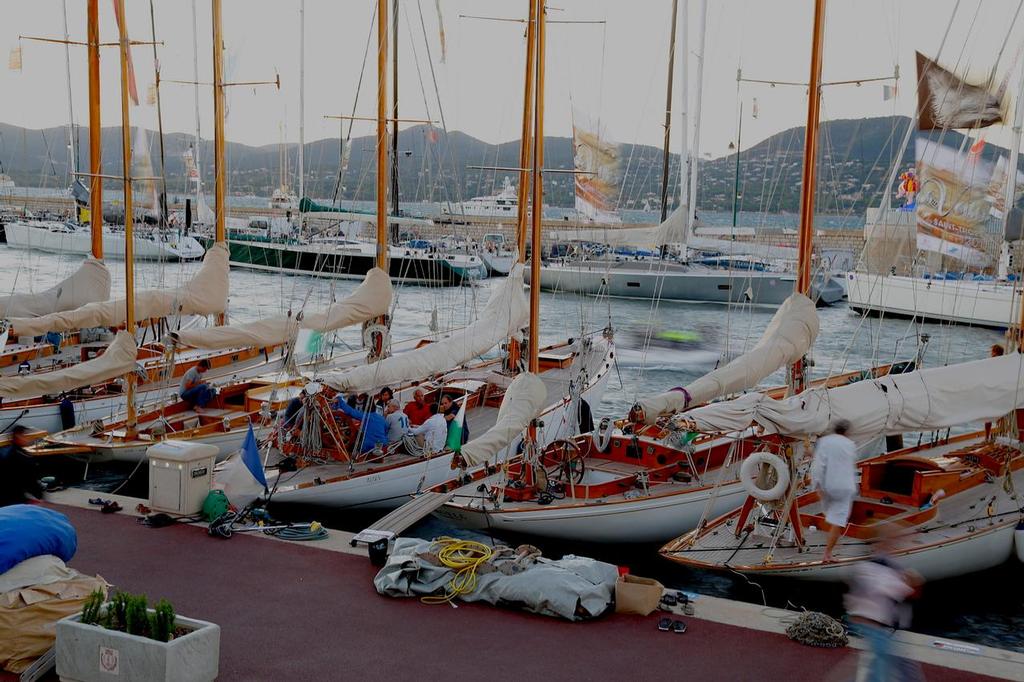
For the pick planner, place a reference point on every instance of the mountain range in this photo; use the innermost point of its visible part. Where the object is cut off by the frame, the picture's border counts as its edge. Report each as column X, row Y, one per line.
column 855, row 158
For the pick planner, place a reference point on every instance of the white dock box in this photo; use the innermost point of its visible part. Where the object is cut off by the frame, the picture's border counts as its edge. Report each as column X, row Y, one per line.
column 180, row 474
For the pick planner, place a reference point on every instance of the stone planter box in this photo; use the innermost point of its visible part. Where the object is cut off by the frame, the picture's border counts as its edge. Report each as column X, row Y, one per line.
column 90, row 653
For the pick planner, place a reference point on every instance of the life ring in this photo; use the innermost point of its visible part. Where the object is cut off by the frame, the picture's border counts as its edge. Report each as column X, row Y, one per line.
column 750, row 470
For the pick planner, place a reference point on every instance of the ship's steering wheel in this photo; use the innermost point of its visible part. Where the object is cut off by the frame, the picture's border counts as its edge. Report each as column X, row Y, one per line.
column 563, row 460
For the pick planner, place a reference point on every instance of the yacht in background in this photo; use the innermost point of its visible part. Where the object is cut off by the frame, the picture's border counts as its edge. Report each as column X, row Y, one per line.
column 505, row 204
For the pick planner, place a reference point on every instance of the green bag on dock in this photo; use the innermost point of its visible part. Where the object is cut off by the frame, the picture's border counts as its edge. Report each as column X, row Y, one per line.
column 215, row 505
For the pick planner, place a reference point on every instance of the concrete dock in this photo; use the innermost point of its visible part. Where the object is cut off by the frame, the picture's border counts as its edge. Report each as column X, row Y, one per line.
column 291, row 610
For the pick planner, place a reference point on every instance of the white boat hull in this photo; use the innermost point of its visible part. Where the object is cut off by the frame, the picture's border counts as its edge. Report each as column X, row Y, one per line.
column 79, row 241
column 978, row 303
column 1018, row 541
column 988, row 547
column 644, row 520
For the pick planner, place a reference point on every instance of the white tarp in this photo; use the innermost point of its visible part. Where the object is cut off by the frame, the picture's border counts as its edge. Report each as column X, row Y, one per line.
column 506, row 312
column 118, row 359
column 205, row 294
column 789, row 335
column 671, row 231
column 937, row 398
column 524, row 399
column 371, row 299
column 90, row 283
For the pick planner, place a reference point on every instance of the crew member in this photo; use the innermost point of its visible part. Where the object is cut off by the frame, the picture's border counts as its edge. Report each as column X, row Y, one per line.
column 834, row 473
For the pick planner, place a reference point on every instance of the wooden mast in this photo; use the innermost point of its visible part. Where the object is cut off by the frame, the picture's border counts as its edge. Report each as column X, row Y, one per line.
column 668, row 113
column 220, row 168
column 129, row 245
column 382, row 134
column 538, row 195
column 95, row 148
column 807, row 188
column 525, row 151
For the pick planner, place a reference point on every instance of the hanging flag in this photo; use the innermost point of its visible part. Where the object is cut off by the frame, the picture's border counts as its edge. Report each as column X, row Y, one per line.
column 151, row 94
column 14, row 59
column 251, row 457
column 953, row 203
column 755, row 111
column 432, row 135
column 440, row 29
column 888, row 92
column 944, row 100
column 456, row 428
column 133, row 90
column 315, row 343
column 599, row 174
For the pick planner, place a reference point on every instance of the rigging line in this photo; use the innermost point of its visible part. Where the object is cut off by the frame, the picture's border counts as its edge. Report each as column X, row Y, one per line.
column 347, row 138
column 162, row 203
column 440, row 107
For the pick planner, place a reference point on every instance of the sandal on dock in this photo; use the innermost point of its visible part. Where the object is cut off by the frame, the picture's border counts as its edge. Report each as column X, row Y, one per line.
column 678, row 627
column 665, row 624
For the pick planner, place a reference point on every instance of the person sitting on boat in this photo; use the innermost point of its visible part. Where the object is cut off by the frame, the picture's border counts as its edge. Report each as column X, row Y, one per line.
column 372, row 426
column 429, row 437
column 450, row 409
column 193, row 390
column 834, row 473
column 385, row 396
column 418, row 411
column 397, row 421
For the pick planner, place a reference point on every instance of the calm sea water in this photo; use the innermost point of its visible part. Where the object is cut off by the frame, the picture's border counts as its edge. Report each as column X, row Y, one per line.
column 985, row 608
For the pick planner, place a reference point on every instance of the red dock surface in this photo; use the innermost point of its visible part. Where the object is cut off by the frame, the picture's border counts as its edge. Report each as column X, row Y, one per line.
column 291, row 611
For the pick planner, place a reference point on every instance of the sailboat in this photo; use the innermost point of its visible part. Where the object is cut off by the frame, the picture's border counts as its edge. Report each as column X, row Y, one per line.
column 906, row 273
column 667, row 272
column 498, row 400
column 946, row 507
column 643, row 479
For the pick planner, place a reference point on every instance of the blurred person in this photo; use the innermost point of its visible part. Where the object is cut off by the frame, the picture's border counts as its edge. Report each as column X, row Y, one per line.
column 17, row 470
column 877, row 604
column 834, row 474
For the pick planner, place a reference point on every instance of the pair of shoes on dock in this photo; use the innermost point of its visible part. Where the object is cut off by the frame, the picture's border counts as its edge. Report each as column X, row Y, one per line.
column 676, row 626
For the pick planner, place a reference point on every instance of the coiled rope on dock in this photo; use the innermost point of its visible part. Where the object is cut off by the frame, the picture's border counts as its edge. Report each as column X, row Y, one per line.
column 465, row 558
column 817, row 629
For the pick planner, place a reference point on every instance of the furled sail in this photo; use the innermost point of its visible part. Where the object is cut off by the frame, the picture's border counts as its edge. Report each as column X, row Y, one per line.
column 205, row 294
column 506, row 312
column 371, row 299
column 117, row 359
column 789, row 335
column 524, row 399
column 936, row 398
column 90, row 283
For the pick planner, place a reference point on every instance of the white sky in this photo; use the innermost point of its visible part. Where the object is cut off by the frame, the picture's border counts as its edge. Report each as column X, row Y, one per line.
column 615, row 71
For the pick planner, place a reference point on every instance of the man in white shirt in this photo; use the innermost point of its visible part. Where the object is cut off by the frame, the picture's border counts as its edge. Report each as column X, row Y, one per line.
column 834, row 473
column 430, row 436
column 397, row 421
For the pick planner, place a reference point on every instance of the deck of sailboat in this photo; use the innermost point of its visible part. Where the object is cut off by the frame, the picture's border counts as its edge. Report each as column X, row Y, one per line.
column 478, row 420
column 954, row 518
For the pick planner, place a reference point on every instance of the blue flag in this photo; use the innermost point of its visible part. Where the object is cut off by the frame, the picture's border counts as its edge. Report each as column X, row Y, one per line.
column 251, row 457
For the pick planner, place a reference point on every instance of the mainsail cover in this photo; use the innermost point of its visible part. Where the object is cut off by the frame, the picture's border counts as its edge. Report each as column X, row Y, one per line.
column 371, row 299
column 787, row 338
column 524, row 399
column 118, row 359
column 90, row 283
column 506, row 312
column 205, row 294
column 936, row 398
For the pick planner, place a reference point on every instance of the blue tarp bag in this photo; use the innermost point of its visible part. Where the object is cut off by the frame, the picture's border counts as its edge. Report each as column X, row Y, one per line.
column 28, row 530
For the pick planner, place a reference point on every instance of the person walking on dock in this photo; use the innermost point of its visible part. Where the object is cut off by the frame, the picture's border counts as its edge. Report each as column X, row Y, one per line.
column 834, row 473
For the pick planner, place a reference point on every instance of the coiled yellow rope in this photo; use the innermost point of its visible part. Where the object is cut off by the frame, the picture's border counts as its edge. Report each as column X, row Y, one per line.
column 464, row 557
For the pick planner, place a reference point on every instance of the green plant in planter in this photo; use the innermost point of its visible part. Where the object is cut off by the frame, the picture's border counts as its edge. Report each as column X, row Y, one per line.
column 162, row 622
column 92, row 608
column 117, row 613
column 136, row 616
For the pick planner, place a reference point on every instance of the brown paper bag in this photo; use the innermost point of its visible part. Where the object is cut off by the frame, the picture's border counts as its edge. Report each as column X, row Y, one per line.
column 634, row 594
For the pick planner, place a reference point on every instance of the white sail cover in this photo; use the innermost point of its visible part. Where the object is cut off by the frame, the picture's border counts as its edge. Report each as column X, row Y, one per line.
column 371, row 299
column 937, row 398
column 205, row 294
column 506, row 312
column 671, row 231
column 789, row 335
column 118, row 359
column 91, row 282
column 524, row 399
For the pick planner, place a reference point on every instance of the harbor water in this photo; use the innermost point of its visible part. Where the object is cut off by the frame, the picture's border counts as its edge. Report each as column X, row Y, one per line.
column 986, row 608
